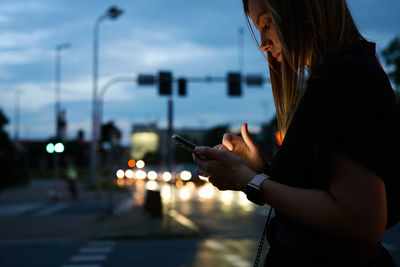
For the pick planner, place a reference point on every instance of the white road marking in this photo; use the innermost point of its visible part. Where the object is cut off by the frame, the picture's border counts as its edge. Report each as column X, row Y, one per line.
column 101, row 243
column 214, row 245
column 95, row 250
column 233, row 259
column 124, row 206
column 52, row 209
column 18, row 209
column 86, row 258
column 237, row 261
column 184, row 220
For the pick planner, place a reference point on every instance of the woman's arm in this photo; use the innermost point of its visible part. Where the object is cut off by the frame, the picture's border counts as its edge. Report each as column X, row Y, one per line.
column 354, row 208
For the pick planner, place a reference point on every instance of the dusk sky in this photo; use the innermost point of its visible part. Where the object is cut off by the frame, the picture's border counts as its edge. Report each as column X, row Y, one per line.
column 189, row 38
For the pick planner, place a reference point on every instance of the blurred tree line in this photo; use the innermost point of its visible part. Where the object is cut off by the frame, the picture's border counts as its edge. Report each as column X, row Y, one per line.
column 391, row 54
column 13, row 171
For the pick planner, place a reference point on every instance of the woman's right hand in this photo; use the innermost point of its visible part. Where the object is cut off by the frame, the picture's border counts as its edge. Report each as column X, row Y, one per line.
column 246, row 148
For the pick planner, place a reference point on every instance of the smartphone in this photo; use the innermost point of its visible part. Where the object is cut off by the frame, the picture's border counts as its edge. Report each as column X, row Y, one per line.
column 186, row 144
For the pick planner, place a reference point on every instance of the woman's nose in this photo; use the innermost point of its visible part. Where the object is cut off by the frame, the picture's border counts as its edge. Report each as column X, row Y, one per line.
column 265, row 44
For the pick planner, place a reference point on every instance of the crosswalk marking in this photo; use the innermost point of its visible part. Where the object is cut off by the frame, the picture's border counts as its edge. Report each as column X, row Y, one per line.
column 101, row 243
column 52, row 209
column 18, row 209
column 86, row 258
column 35, row 209
column 95, row 250
column 91, row 254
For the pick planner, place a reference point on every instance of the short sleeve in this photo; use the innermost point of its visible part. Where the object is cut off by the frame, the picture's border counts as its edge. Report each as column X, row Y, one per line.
column 348, row 118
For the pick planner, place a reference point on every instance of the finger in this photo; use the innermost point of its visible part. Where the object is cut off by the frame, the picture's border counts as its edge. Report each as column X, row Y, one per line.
column 198, row 161
column 208, row 152
column 219, row 147
column 227, row 141
column 224, row 148
column 202, row 172
column 248, row 139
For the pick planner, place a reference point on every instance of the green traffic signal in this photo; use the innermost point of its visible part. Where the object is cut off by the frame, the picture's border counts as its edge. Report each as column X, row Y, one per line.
column 58, row 148
column 50, row 148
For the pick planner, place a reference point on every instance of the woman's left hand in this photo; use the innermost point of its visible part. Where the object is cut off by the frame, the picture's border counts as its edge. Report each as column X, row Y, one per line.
column 226, row 170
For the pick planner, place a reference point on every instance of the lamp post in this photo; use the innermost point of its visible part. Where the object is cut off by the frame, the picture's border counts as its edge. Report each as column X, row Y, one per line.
column 57, row 110
column 17, row 117
column 112, row 13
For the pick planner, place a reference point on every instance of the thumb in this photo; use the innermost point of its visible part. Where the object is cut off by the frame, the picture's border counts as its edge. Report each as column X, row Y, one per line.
column 248, row 139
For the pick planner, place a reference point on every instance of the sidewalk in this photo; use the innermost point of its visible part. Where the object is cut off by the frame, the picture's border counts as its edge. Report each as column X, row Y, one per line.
column 91, row 222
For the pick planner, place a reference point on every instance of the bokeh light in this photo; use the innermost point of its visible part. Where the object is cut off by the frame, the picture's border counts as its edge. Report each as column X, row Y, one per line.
column 186, row 175
column 129, row 174
column 132, row 163
column 120, row 174
column 167, row 176
column 140, row 174
column 140, row 164
column 152, row 175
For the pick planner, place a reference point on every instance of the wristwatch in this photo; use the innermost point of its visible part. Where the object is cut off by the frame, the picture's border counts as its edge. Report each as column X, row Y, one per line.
column 253, row 189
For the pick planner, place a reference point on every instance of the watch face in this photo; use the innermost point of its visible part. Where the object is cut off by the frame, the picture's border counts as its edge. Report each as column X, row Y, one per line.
column 254, row 195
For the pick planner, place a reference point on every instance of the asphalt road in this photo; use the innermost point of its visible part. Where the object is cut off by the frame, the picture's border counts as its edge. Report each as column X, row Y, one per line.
column 230, row 228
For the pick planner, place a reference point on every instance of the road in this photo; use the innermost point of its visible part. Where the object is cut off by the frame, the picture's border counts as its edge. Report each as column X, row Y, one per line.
column 230, row 227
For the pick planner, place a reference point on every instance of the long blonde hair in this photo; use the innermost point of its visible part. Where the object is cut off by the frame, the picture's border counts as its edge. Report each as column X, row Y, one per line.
column 308, row 30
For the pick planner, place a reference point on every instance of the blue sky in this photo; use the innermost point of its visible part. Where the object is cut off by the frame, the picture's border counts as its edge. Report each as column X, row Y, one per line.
column 189, row 38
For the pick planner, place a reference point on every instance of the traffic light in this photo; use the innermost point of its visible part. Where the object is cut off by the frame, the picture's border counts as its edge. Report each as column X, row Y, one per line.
column 58, row 148
column 164, row 83
column 234, row 84
column 182, row 87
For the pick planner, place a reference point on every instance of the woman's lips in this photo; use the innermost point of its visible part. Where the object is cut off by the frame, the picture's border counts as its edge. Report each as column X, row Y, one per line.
column 276, row 55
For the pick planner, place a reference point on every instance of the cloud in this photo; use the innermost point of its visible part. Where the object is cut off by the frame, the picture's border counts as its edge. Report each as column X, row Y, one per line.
column 152, row 50
column 15, row 40
column 15, row 57
column 22, row 6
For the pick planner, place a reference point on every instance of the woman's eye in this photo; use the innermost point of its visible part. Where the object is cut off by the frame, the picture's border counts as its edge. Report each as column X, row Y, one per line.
column 267, row 26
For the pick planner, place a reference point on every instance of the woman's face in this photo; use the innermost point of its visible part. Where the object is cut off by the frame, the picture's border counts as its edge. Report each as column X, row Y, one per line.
column 262, row 20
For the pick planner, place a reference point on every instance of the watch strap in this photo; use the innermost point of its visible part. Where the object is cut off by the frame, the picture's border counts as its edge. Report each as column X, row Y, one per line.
column 258, row 180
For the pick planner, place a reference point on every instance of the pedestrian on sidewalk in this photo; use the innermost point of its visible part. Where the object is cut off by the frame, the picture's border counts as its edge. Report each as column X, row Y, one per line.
column 331, row 182
column 72, row 178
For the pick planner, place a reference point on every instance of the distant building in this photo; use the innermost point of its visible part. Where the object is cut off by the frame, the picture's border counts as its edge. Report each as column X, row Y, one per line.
column 148, row 139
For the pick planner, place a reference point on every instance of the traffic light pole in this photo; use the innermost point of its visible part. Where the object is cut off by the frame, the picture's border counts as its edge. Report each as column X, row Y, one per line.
column 170, row 131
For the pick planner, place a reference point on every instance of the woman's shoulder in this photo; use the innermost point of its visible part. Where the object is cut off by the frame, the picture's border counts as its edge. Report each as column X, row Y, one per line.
column 349, row 62
column 353, row 71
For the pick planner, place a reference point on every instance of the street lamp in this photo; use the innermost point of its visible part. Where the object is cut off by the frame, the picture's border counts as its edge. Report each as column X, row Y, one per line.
column 112, row 13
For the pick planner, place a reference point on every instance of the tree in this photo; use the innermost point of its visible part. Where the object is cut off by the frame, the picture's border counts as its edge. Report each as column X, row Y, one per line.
column 214, row 135
column 392, row 57
column 12, row 165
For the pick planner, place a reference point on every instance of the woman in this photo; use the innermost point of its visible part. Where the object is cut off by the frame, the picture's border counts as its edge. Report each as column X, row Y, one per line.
column 329, row 182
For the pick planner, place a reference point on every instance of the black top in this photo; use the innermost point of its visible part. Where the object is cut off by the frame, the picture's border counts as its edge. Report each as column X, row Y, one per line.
column 348, row 109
